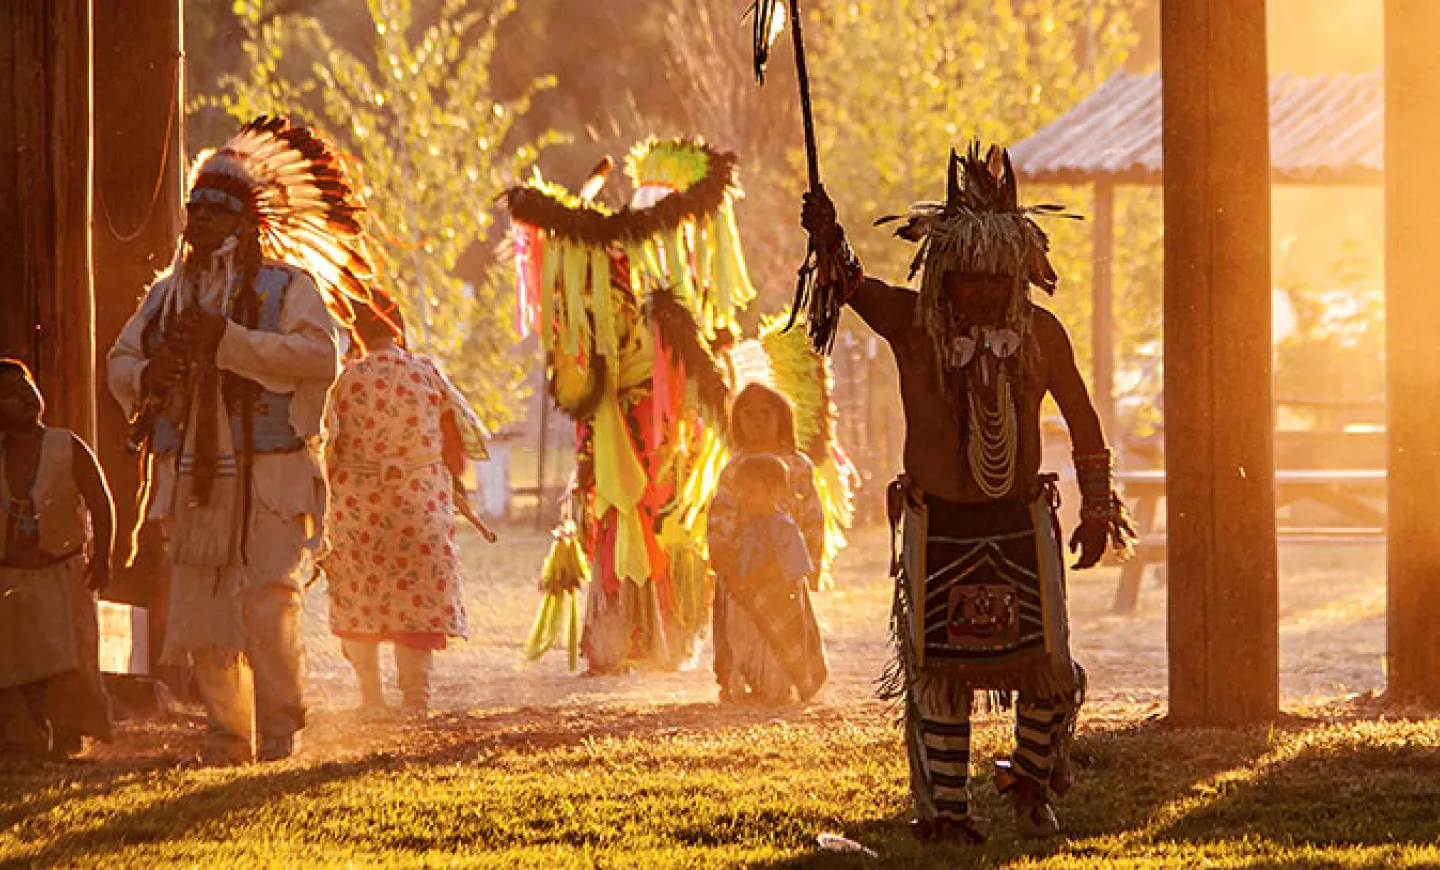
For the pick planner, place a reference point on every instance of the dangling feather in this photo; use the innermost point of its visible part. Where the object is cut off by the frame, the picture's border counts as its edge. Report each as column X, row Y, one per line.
column 309, row 214
column 953, row 191
column 768, row 19
column 591, row 188
column 919, row 222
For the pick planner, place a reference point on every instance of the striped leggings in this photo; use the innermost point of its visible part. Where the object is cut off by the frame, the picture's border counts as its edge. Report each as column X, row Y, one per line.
column 937, row 736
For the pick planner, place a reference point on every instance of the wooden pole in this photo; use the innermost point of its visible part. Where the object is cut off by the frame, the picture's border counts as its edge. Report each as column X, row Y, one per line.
column 139, row 169
column 46, row 304
column 1102, row 311
column 540, row 515
column 1412, row 322
column 1223, row 600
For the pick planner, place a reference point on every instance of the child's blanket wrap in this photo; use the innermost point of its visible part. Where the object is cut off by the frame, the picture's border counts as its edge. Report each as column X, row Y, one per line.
column 991, row 579
column 769, row 586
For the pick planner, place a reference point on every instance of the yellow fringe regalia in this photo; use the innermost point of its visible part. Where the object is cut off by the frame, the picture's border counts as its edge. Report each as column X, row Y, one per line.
column 630, row 305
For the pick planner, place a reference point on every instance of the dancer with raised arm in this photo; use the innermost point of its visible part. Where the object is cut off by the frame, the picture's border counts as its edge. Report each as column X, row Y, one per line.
column 980, row 592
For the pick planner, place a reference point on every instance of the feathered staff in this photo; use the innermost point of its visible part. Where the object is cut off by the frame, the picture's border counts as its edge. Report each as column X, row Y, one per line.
column 818, row 288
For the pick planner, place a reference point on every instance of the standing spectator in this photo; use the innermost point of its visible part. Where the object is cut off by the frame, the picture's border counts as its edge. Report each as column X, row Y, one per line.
column 51, row 566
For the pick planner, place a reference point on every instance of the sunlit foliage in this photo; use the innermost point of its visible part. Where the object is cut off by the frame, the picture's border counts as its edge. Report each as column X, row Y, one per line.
column 899, row 83
column 433, row 148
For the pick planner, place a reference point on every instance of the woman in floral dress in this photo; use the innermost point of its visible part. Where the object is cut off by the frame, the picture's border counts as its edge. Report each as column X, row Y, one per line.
column 399, row 434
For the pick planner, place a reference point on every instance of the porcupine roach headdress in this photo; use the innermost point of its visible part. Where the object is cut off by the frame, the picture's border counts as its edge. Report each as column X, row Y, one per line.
column 307, row 212
column 982, row 228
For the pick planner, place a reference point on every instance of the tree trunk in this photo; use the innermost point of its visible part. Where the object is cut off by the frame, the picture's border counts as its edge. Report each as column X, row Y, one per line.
column 1102, row 310
column 1219, row 427
column 1412, row 322
column 46, row 305
column 139, row 157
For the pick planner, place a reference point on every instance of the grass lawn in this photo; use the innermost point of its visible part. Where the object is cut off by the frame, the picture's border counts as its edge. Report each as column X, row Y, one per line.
column 535, row 767
column 692, row 787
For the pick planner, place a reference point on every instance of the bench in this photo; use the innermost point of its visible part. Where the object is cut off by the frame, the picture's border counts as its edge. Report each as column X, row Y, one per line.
column 1348, row 492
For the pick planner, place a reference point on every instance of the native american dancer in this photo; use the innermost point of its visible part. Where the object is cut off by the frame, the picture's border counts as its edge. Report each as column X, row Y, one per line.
column 224, row 369
column 398, row 435
column 980, row 594
column 53, row 495
column 637, row 310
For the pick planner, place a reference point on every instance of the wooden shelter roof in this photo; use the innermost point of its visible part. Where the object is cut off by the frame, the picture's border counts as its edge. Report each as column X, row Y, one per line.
column 1324, row 130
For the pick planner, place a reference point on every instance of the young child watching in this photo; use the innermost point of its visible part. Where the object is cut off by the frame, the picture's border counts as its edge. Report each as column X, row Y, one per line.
column 773, row 635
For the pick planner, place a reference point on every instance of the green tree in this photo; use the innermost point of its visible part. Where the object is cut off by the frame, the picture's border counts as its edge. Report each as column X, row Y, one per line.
column 433, row 148
column 899, row 83
column 1333, row 353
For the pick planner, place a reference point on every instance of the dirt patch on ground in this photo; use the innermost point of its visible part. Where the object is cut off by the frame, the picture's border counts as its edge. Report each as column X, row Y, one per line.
column 485, row 694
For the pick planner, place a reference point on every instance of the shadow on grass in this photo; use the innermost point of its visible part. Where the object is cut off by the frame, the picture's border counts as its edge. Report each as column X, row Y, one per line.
column 67, row 783
column 1126, row 777
column 445, row 739
column 178, row 816
column 1139, row 786
column 1327, row 794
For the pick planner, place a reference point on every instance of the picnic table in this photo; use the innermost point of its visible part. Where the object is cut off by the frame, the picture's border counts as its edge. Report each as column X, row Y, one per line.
column 1351, row 493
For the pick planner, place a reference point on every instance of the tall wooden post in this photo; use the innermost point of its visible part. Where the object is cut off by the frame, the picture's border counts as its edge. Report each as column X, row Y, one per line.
column 46, row 307
column 541, row 517
column 1412, row 322
column 1223, row 609
column 139, row 157
column 1102, row 311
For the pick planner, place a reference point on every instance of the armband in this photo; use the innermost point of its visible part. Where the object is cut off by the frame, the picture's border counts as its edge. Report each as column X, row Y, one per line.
column 1099, row 503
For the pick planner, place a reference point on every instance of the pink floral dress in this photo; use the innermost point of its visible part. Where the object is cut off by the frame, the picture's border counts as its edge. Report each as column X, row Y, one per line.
column 393, row 565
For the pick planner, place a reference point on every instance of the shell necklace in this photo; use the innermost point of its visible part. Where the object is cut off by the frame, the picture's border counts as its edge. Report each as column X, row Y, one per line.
column 992, row 443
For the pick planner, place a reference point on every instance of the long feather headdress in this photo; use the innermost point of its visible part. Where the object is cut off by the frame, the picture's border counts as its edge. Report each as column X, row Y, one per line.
column 308, row 214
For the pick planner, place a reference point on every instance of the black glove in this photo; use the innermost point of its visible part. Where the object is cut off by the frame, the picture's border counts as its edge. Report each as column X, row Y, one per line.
column 817, row 216
column 1089, row 538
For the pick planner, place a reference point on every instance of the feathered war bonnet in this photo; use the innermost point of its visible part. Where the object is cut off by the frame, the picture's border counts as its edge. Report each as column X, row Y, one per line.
column 982, row 229
column 291, row 182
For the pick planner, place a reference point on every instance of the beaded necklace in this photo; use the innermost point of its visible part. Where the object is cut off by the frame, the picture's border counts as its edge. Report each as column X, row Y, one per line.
column 22, row 509
column 992, row 444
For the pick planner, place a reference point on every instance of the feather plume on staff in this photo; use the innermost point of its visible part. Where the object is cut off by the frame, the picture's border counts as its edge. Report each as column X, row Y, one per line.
column 830, row 271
